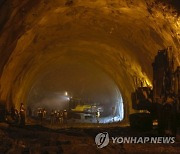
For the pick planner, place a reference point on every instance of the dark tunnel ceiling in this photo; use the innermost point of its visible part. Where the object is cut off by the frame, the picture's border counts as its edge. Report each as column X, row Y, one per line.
column 120, row 37
column 174, row 3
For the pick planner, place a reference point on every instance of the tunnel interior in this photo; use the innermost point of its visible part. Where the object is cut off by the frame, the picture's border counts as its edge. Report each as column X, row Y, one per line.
column 76, row 78
column 53, row 47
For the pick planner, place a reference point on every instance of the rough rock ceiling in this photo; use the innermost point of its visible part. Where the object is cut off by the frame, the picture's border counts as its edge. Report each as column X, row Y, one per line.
column 121, row 37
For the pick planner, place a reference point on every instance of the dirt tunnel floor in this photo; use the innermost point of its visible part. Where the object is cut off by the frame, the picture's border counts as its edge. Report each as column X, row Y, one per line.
column 35, row 139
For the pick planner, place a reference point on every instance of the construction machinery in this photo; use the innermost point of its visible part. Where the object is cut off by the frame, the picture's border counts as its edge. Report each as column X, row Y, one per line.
column 162, row 102
column 81, row 111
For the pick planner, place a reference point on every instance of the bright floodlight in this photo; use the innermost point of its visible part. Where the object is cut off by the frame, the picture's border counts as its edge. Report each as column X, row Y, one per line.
column 66, row 93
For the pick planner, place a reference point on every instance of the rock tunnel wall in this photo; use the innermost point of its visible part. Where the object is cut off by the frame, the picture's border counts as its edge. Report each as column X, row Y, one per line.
column 121, row 37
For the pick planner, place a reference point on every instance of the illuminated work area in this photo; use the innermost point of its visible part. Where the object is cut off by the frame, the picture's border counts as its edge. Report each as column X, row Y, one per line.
column 71, row 69
column 81, row 83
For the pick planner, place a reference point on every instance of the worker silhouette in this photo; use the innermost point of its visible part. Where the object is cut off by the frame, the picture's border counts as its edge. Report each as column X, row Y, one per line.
column 15, row 115
column 40, row 115
column 22, row 115
column 52, row 117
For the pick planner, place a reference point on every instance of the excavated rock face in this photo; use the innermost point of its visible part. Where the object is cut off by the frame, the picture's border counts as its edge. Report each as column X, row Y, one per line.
column 121, row 37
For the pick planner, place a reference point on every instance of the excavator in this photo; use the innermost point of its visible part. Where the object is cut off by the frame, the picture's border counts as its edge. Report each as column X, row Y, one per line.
column 160, row 104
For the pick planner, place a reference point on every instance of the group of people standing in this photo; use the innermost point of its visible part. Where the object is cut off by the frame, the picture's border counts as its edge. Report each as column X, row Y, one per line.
column 58, row 116
column 19, row 116
column 55, row 116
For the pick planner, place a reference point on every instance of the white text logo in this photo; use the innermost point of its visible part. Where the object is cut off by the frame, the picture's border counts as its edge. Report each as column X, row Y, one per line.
column 102, row 139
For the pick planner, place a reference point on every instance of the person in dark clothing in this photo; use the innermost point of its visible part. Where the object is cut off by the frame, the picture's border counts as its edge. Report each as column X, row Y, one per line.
column 14, row 114
column 22, row 115
column 40, row 115
column 52, row 117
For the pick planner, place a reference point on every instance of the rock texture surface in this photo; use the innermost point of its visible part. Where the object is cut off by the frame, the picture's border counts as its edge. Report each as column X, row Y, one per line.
column 38, row 140
column 121, row 37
